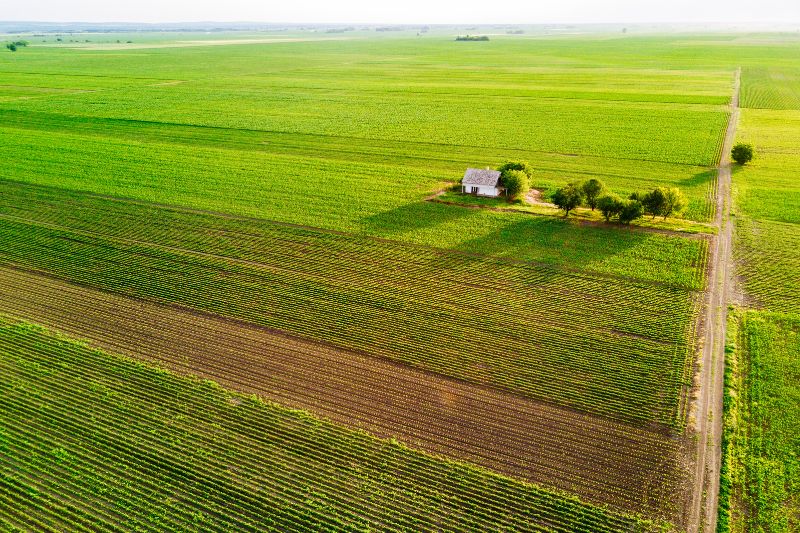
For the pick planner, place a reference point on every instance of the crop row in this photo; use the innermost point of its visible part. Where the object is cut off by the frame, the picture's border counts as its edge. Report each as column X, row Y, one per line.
column 100, row 441
column 603, row 345
column 771, row 88
column 768, row 264
column 759, row 486
column 597, row 459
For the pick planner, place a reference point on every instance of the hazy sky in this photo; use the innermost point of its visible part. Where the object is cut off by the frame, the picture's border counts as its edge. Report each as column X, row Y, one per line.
column 404, row 11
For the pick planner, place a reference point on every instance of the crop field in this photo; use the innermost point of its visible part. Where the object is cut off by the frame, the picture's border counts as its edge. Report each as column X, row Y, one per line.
column 771, row 88
column 768, row 210
column 155, row 452
column 762, row 474
column 759, row 490
column 229, row 303
column 529, row 440
column 374, row 297
column 298, row 136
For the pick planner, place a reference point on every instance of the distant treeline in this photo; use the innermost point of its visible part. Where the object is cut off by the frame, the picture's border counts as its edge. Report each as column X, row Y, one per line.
column 472, row 38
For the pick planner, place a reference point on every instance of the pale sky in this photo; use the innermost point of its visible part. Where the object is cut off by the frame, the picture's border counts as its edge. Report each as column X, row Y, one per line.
column 404, row 11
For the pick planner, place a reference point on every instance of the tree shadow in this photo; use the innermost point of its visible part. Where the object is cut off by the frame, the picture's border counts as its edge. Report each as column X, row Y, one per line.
column 416, row 216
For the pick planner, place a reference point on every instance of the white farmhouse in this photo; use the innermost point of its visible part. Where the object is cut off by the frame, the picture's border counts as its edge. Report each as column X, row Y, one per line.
column 482, row 182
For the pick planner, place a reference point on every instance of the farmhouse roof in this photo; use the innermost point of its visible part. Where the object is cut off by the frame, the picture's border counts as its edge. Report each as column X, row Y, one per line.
column 481, row 176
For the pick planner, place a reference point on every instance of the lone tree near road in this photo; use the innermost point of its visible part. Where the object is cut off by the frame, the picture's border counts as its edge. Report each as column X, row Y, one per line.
column 568, row 197
column 742, row 153
column 592, row 189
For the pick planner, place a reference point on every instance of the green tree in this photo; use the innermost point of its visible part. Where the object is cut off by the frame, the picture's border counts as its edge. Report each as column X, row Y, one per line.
column 631, row 210
column 610, row 205
column 674, row 202
column 742, row 153
column 523, row 166
column 516, row 183
column 592, row 189
column 12, row 47
column 654, row 202
column 568, row 197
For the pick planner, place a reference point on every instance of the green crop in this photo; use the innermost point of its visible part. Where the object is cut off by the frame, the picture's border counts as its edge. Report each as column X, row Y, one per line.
column 761, row 477
column 92, row 441
column 521, row 326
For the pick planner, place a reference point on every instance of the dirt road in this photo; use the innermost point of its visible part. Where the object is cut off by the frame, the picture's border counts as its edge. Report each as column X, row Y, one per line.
column 707, row 414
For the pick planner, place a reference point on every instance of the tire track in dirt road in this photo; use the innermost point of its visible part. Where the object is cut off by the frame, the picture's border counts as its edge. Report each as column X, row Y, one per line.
column 707, row 413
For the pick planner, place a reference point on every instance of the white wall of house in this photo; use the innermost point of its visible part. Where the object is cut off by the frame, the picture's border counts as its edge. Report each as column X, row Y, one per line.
column 483, row 190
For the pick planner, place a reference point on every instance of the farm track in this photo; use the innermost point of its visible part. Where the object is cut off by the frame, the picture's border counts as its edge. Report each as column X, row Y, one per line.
column 707, row 410
column 600, row 460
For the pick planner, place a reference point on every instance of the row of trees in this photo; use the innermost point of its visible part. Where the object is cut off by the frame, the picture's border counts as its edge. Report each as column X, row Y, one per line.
column 661, row 201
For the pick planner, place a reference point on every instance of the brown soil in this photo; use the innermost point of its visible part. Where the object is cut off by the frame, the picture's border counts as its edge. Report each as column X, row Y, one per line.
column 601, row 461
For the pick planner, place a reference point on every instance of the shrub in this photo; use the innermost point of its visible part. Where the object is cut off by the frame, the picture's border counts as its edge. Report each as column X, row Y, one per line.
column 568, row 197
column 523, row 166
column 742, row 153
column 674, row 202
column 631, row 210
column 516, row 183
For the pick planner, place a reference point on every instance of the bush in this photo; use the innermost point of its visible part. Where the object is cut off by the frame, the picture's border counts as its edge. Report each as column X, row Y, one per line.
column 592, row 189
column 674, row 202
column 568, row 197
column 12, row 47
column 610, row 205
column 523, row 166
column 742, row 153
column 516, row 183
column 631, row 210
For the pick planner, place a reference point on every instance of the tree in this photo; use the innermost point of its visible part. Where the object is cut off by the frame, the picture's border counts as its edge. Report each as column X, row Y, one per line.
column 12, row 47
column 523, row 166
column 674, row 202
column 742, row 153
column 610, row 205
column 631, row 210
column 592, row 189
column 568, row 197
column 516, row 183
column 654, row 201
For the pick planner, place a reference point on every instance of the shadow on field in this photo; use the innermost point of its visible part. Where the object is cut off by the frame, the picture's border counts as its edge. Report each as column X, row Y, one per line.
column 554, row 241
column 413, row 217
column 699, row 179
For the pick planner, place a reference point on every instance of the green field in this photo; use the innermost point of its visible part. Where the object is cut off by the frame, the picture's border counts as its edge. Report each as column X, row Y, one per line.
column 375, row 297
column 762, row 468
column 128, row 446
column 762, row 403
column 284, row 186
